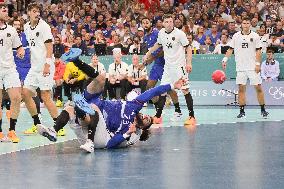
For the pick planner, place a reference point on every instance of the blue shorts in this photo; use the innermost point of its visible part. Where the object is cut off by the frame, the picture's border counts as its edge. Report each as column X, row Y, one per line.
column 156, row 72
column 92, row 98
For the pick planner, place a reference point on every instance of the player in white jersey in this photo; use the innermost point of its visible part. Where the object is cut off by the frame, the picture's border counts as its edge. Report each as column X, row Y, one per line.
column 9, row 77
column 177, row 62
column 247, row 48
column 40, row 75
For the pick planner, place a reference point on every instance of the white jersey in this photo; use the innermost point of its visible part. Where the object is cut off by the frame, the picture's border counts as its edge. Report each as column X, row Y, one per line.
column 9, row 40
column 135, row 72
column 264, row 42
column 37, row 37
column 245, row 47
column 173, row 45
column 116, row 70
column 99, row 68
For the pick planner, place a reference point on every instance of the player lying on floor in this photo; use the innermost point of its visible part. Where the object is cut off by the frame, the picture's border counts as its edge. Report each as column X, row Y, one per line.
column 119, row 117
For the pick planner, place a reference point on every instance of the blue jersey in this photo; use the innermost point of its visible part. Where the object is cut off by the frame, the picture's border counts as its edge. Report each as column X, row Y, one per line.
column 119, row 115
column 23, row 65
column 157, row 70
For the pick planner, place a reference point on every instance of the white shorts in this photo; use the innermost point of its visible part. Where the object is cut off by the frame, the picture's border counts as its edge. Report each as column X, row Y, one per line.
column 102, row 135
column 171, row 75
column 36, row 80
column 243, row 76
column 9, row 77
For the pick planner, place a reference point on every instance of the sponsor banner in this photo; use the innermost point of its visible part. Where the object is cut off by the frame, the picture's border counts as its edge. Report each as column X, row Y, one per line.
column 208, row 93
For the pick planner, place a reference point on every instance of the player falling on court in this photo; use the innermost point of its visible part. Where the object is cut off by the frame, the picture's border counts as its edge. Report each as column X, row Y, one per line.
column 41, row 73
column 247, row 48
column 119, row 116
column 177, row 62
column 156, row 73
column 9, row 77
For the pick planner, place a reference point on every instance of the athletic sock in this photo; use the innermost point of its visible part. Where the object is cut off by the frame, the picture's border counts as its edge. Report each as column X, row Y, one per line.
column 160, row 106
column 242, row 108
column 61, row 120
column 177, row 108
column 189, row 104
column 0, row 125
column 36, row 119
column 93, row 126
column 12, row 124
column 262, row 107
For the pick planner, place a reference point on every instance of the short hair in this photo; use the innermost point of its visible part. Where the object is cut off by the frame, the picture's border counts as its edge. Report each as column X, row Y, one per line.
column 145, row 18
column 32, row 6
column 167, row 16
column 270, row 51
column 246, row 18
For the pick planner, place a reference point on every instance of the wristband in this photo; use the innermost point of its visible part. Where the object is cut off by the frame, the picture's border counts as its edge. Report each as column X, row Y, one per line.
column 257, row 63
column 48, row 61
column 125, row 135
column 225, row 59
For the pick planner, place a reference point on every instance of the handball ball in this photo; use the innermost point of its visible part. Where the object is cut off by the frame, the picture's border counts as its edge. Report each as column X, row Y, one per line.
column 218, row 77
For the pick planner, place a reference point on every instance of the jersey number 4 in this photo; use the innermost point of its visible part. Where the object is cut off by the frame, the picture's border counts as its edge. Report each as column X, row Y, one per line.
column 2, row 42
column 245, row 45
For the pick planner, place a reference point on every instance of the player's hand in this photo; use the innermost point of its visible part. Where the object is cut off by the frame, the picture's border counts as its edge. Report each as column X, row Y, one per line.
column 224, row 65
column 257, row 68
column 21, row 53
column 188, row 68
column 180, row 83
column 46, row 70
column 132, row 129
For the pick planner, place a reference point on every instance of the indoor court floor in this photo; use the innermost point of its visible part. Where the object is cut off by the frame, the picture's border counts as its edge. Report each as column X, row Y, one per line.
column 221, row 152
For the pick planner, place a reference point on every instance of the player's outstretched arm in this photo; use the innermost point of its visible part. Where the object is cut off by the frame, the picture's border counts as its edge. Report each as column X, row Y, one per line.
column 188, row 59
column 227, row 56
column 149, row 53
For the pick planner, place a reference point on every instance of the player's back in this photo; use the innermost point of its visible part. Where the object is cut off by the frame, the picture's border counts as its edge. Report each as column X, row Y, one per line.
column 245, row 50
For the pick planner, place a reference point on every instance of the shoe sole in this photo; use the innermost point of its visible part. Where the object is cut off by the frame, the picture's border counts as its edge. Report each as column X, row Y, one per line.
column 86, row 149
column 50, row 137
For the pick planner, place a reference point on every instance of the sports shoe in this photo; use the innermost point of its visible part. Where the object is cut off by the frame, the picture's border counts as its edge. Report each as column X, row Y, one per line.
column 176, row 117
column 157, row 120
column 72, row 54
column 190, row 121
column 8, row 114
column 13, row 137
column 241, row 115
column 59, row 103
column 88, row 146
column 47, row 132
column 264, row 114
column 61, row 132
column 30, row 131
column 3, row 138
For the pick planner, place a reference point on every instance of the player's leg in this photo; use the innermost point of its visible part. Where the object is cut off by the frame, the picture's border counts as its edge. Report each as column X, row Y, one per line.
column 241, row 81
column 49, row 103
column 2, row 136
column 256, row 81
column 28, row 92
column 174, row 97
column 13, row 85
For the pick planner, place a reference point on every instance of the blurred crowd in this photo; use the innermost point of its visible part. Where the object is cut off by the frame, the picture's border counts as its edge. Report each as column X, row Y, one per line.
column 98, row 26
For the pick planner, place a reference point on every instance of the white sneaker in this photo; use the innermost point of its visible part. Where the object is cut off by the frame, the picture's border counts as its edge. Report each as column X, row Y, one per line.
column 145, row 104
column 47, row 132
column 88, row 146
column 177, row 117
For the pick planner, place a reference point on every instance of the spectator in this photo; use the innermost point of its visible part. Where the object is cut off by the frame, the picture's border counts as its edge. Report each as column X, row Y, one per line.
column 101, row 25
column 270, row 68
column 254, row 24
column 58, row 47
column 200, row 36
column 208, row 48
column 223, row 46
column 135, row 47
column 73, row 80
column 93, row 28
column 108, row 30
column 190, row 27
column 58, row 78
column 274, row 43
column 264, row 38
column 279, row 32
column 194, row 44
column 117, row 75
column 231, row 28
column 136, row 78
column 80, row 44
column 66, row 31
column 215, row 35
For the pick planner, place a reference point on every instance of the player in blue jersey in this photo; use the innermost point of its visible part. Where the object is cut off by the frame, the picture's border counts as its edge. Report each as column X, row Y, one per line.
column 156, row 73
column 120, row 119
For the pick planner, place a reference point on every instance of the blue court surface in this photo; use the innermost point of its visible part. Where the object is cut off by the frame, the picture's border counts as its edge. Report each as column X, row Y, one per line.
column 221, row 152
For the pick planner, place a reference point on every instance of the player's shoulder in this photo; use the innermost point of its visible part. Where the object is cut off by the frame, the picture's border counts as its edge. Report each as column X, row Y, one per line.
column 26, row 25
column 11, row 29
column 43, row 23
column 254, row 34
column 237, row 34
column 162, row 31
column 124, row 63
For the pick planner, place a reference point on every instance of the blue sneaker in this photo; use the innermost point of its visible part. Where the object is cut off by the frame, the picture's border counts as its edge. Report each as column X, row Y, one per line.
column 82, row 104
column 71, row 55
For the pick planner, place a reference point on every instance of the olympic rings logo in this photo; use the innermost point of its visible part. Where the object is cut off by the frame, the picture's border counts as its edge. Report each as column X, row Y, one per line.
column 277, row 93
